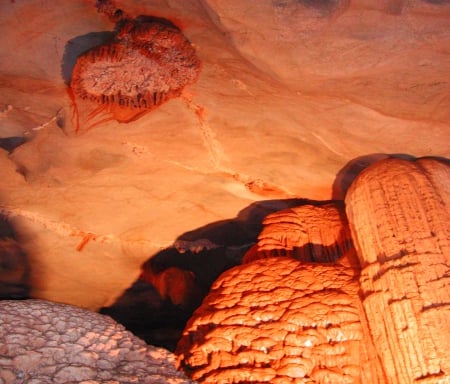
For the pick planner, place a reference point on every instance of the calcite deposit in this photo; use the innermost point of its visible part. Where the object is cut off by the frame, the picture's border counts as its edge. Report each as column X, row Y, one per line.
column 288, row 94
column 147, row 62
column 277, row 320
column 377, row 316
column 399, row 214
column 50, row 343
column 314, row 233
column 294, row 98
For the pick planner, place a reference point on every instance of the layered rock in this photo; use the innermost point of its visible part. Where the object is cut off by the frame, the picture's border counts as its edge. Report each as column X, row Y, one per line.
column 277, row 320
column 310, row 233
column 399, row 217
column 281, row 320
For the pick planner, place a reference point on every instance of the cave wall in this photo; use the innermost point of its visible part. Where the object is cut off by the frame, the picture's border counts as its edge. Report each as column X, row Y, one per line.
column 288, row 94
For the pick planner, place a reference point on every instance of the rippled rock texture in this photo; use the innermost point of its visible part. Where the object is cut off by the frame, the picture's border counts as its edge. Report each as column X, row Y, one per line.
column 44, row 342
column 278, row 319
column 147, row 62
column 309, row 233
column 399, row 214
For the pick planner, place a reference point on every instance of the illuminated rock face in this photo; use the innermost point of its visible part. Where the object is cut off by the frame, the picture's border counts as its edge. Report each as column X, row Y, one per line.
column 148, row 62
column 277, row 320
column 399, row 217
column 55, row 343
column 288, row 93
column 309, row 233
column 281, row 320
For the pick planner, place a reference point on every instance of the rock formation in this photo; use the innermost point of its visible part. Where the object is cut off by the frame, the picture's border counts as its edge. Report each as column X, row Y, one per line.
column 314, row 233
column 175, row 284
column 282, row 320
column 289, row 92
column 277, row 320
column 399, row 214
column 44, row 342
column 147, row 62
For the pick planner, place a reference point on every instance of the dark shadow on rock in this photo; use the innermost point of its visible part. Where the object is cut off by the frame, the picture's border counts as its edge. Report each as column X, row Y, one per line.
column 11, row 143
column 327, row 8
column 321, row 4
column 441, row 159
column 141, row 310
column 147, row 19
column 148, row 310
column 354, row 167
column 14, row 265
column 438, row 2
column 79, row 45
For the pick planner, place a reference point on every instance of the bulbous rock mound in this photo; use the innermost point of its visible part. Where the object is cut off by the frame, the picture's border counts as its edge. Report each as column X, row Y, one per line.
column 277, row 320
column 309, row 233
column 380, row 318
column 399, row 215
column 44, row 342
column 148, row 62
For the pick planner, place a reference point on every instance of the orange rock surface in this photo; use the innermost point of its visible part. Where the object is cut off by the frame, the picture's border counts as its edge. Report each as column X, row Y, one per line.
column 281, row 320
column 277, row 320
column 293, row 99
column 317, row 233
column 399, row 215
column 288, row 94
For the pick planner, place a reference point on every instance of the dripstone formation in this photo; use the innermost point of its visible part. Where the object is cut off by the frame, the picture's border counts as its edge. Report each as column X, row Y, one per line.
column 379, row 314
column 147, row 62
column 354, row 293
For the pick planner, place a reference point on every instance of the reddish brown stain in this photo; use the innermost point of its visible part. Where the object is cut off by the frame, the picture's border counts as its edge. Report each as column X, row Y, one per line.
column 148, row 62
column 175, row 284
